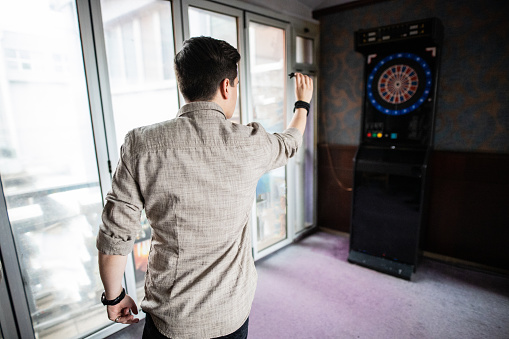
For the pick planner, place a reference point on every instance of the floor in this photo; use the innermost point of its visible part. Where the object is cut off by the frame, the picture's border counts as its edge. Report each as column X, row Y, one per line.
column 309, row 290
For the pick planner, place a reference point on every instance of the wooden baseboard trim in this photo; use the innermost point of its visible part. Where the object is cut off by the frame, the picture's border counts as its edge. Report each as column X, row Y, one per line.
column 439, row 257
column 465, row 263
column 331, row 231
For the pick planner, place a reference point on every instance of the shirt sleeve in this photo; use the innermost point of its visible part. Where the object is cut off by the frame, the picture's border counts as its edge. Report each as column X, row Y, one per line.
column 122, row 212
column 282, row 146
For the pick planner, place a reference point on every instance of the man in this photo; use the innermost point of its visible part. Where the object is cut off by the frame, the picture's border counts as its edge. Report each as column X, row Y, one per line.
column 196, row 177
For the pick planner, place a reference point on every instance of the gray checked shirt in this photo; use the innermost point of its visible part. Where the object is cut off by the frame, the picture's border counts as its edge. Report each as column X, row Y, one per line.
column 196, row 177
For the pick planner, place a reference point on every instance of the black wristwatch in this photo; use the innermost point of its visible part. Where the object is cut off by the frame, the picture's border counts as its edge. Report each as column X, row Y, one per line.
column 302, row 104
column 114, row 301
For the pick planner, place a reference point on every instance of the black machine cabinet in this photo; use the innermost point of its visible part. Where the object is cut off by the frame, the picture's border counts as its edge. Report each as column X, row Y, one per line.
column 401, row 74
column 388, row 205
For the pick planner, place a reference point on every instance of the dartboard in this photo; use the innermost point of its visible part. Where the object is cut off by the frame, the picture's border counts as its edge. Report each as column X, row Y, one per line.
column 399, row 84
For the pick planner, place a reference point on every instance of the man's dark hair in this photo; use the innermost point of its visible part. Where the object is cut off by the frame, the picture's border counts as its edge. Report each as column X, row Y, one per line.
column 202, row 64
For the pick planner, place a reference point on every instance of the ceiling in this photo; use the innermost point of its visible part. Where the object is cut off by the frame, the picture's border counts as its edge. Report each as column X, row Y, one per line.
column 299, row 8
column 319, row 4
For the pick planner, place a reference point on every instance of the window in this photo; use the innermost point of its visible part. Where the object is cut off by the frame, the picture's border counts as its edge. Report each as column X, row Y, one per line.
column 49, row 168
column 140, row 50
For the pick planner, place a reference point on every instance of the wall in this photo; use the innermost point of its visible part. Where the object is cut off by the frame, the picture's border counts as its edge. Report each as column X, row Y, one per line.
column 468, row 183
column 293, row 8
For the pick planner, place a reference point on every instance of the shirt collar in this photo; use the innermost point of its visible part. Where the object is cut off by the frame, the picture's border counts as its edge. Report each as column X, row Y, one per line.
column 202, row 106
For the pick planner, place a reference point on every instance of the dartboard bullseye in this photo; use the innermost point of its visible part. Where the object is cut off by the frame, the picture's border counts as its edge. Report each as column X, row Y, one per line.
column 399, row 84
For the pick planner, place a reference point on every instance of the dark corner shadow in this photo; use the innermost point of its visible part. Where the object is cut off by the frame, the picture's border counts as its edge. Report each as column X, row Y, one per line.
column 435, row 270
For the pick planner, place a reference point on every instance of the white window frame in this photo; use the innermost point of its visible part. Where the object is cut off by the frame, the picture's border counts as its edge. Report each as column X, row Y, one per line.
column 308, row 30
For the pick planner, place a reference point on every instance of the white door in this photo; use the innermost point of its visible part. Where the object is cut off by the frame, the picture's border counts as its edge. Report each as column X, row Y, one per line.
column 268, row 87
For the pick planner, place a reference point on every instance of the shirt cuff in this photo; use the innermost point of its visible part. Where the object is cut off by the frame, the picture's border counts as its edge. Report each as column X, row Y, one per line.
column 113, row 246
column 295, row 133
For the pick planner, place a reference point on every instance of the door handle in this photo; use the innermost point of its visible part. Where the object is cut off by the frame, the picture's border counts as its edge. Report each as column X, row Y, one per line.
column 1, row 271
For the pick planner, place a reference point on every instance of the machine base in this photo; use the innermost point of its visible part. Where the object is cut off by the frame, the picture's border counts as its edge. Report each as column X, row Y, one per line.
column 390, row 267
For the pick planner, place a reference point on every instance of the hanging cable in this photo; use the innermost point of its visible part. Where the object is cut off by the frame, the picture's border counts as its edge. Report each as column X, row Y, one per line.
column 334, row 174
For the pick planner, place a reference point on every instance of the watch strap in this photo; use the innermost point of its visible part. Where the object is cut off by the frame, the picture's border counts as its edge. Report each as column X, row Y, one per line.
column 302, row 104
column 114, row 301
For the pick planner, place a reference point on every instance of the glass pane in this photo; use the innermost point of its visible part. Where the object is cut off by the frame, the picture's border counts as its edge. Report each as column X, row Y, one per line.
column 305, row 174
column 304, row 53
column 48, row 166
column 268, row 85
column 140, row 51
column 218, row 26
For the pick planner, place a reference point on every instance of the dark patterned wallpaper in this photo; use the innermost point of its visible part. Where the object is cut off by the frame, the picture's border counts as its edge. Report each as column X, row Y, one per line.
column 473, row 100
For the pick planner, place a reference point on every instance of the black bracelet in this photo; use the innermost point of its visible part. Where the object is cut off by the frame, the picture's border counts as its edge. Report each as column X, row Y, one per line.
column 114, row 301
column 302, row 104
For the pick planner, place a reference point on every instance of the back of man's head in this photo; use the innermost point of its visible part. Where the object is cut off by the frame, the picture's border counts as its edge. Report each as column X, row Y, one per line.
column 202, row 64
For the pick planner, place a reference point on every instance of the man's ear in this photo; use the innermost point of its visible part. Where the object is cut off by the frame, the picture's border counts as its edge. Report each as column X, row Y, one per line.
column 224, row 88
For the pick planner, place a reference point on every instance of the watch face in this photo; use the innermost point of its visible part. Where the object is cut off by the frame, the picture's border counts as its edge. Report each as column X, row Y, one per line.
column 399, row 83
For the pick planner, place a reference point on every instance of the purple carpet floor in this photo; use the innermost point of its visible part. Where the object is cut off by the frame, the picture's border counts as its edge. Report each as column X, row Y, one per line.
column 309, row 290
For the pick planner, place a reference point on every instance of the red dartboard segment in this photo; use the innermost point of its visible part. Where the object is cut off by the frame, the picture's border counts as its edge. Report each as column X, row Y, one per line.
column 397, row 84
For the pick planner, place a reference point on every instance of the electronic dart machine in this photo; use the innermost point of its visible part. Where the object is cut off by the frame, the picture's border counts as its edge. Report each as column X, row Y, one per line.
column 400, row 75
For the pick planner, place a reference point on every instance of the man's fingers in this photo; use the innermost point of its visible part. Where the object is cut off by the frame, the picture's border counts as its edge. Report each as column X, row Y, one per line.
column 303, row 87
column 303, row 79
column 129, row 319
column 122, row 312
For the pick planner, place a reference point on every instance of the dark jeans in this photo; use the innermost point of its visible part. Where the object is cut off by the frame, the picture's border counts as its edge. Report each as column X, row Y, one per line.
column 150, row 331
